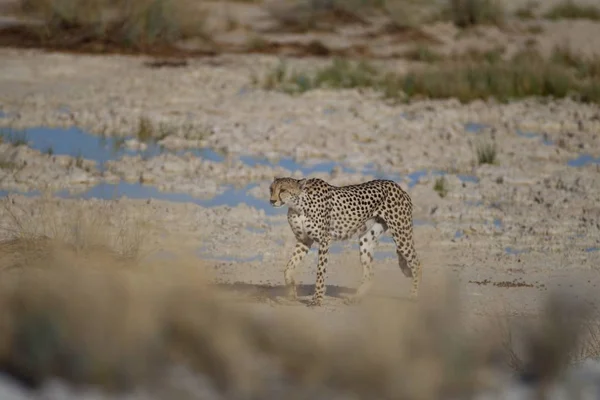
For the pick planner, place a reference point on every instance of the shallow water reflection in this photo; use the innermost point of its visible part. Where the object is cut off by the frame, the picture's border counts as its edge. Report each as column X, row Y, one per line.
column 583, row 160
column 76, row 142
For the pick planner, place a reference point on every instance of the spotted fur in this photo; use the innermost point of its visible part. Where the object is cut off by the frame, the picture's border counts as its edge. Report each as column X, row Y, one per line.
column 323, row 213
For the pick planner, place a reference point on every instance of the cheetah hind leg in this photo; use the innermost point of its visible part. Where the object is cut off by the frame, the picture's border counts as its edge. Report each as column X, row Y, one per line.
column 407, row 256
column 367, row 243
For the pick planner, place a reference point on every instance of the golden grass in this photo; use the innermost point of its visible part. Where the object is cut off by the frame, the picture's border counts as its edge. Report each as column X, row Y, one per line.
column 89, row 316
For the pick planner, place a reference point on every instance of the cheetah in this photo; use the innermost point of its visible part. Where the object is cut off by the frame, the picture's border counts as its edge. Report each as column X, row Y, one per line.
column 322, row 213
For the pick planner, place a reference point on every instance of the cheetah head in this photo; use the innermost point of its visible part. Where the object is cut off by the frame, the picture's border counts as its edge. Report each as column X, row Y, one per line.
column 285, row 191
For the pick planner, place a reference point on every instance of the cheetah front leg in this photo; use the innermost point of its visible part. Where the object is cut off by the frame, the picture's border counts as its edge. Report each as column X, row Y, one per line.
column 302, row 247
column 317, row 299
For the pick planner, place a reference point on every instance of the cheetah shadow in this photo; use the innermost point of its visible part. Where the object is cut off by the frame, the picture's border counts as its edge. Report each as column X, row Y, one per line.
column 275, row 292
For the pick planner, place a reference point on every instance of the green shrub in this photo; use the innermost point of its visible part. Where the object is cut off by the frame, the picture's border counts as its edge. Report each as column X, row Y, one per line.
column 340, row 74
column 523, row 76
column 440, row 187
column 486, row 153
column 468, row 77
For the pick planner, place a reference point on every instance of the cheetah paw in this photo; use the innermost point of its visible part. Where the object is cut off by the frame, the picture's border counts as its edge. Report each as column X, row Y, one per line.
column 315, row 303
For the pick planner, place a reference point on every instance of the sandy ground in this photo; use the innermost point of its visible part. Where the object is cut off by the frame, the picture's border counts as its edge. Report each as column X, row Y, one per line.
column 522, row 227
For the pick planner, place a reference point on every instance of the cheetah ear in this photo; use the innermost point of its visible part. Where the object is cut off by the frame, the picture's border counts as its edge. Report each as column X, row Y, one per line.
column 301, row 183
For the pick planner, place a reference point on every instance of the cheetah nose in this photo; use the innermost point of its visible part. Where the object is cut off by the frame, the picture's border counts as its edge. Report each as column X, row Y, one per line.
column 273, row 201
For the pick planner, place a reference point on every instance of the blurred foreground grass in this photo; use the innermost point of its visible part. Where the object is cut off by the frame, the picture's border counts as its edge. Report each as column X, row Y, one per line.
column 78, row 303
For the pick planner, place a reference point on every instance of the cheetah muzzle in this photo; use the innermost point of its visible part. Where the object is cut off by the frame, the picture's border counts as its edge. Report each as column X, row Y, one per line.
column 323, row 213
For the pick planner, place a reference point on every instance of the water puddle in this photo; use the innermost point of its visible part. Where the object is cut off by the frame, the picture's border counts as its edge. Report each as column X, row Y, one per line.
column 415, row 177
column 422, row 222
column 592, row 249
column 583, row 160
column 474, row 127
column 535, row 135
column 75, row 142
column 308, row 168
column 514, row 252
column 109, row 191
column 293, row 165
column 468, row 178
column 231, row 197
column 32, row 193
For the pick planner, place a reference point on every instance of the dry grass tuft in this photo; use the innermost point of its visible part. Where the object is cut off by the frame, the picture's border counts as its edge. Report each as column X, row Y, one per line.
column 81, row 228
column 137, row 24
